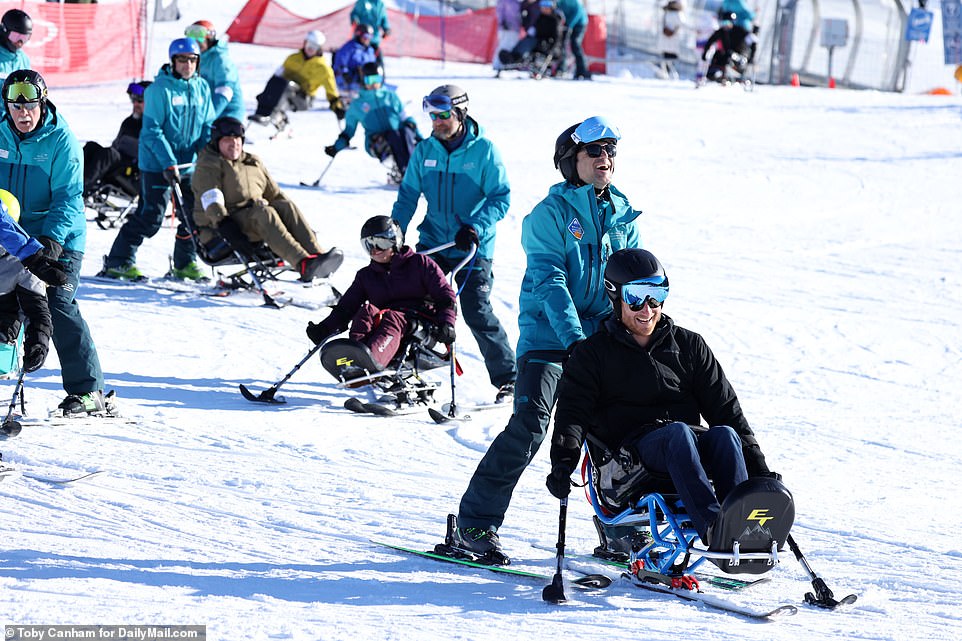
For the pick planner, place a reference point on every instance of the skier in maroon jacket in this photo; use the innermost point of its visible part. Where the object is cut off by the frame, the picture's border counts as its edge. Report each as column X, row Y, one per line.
column 386, row 299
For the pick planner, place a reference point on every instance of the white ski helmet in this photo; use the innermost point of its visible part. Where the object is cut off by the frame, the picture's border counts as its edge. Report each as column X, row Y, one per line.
column 315, row 38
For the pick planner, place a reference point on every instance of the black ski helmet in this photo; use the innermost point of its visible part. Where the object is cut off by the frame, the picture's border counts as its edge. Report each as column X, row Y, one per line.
column 15, row 89
column 363, row 30
column 14, row 20
column 574, row 138
column 369, row 69
column 382, row 227
column 226, row 126
column 627, row 265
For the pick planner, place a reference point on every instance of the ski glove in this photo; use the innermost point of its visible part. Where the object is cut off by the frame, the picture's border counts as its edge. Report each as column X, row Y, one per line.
column 172, row 174
column 466, row 237
column 755, row 461
column 445, row 333
column 337, row 106
column 35, row 354
column 559, row 482
column 47, row 270
column 331, row 150
column 52, row 249
column 317, row 332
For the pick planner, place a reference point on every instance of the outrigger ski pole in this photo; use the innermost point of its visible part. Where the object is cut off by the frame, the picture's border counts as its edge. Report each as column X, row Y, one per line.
column 268, row 395
column 453, row 410
column 823, row 596
column 10, row 426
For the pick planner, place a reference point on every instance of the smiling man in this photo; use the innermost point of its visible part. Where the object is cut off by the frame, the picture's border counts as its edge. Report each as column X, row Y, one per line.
column 568, row 238
column 641, row 387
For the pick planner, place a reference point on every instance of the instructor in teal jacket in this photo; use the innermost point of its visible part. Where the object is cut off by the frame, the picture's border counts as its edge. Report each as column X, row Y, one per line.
column 461, row 175
column 42, row 165
column 568, row 238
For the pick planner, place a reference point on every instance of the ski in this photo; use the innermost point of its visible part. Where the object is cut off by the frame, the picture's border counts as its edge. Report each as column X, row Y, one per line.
column 358, row 406
column 463, row 413
column 588, row 582
column 8, row 472
column 712, row 601
column 729, row 583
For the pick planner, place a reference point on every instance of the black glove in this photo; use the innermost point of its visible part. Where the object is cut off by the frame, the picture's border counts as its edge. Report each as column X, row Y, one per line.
column 316, row 332
column 330, row 150
column 10, row 327
column 49, row 271
column 52, row 249
column 35, row 354
column 172, row 174
column 337, row 106
column 559, row 481
column 755, row 461
column 445, row 333
column 466, row 237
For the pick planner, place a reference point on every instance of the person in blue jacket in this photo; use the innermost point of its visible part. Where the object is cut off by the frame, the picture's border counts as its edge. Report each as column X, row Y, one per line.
column 178, row 113
column 28, row 250
column 389, row 133
column 218, row 70
column 349, row 59
column 43, row 163
column 576, row 19
column 374, row 14
column 16, row 27
column 461, row 175
column 568, row 238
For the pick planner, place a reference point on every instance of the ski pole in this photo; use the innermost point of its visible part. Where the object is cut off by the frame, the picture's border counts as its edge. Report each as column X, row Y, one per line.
column 317, row 183
column 554, row 592
column 453, row 409
column 823, row 596
column 267, row 396
column 12, row 427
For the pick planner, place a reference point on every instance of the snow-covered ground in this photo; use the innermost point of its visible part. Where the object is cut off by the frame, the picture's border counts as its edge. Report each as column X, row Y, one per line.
column 812, row 236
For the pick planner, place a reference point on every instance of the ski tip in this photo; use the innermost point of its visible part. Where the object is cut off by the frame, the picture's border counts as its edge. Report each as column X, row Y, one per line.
column 11, row 428
column 437, row 416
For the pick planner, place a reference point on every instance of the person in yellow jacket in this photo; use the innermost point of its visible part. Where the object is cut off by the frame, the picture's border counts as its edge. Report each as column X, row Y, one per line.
column 294, row 86
column 235, row 197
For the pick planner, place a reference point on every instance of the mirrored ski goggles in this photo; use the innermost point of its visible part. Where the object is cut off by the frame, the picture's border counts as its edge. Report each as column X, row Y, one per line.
column 18, row 38
column 441, row 115
column 594, row 149
column 434, row 104
column 594, row 129
column 20, row 106
column 22, row 91
column 135, row 89
column 646, row 291
column 380, row 243
column 197, row 32
column 373, row 79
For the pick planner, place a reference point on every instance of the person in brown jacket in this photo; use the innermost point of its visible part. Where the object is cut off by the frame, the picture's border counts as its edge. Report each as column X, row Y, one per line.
column 231, row 183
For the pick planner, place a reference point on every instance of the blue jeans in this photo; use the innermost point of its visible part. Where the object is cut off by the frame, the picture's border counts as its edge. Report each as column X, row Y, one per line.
column 475, row 284
column 145, row 222
column 79, row 362
column 489, row 491
column 690, row 459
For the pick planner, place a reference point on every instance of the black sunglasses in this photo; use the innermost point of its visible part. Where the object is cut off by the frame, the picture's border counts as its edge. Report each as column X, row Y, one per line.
column 594, row 149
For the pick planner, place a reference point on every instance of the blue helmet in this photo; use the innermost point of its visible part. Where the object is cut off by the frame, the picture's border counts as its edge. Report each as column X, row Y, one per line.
column 183, row 46
column 575, row 137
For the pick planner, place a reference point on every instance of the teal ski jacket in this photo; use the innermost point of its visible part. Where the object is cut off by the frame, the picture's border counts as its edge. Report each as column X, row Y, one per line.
column 468, row 186
column 377, row 110
column 177, row 118
column 568, row 238
column 44, row 170
column 221, row 75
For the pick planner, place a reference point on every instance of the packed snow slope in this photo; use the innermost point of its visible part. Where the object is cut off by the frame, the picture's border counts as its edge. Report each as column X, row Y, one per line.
column 812, row 236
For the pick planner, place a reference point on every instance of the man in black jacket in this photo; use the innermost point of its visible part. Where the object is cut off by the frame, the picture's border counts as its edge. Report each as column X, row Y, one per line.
column 643, row 384
column 120, row 158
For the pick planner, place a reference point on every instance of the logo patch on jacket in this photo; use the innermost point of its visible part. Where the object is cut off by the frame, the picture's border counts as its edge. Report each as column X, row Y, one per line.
column 430, row 162
column 4, row 153
column 575, row 229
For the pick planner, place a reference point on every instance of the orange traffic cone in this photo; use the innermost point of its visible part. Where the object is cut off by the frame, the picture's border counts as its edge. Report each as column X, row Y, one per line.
column 831, row 83
column 795, row 80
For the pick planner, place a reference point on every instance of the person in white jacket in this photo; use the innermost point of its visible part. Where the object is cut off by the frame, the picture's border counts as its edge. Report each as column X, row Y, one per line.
column 673, row 27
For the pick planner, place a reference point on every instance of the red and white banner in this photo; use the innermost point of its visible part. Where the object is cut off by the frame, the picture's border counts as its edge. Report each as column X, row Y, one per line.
column 83, row 44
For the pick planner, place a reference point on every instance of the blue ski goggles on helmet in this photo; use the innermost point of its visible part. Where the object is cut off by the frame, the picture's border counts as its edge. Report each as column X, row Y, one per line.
column 594, row 129
column 373, row 79
column 22, row 92
column 646, row 291
column 437, row 104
